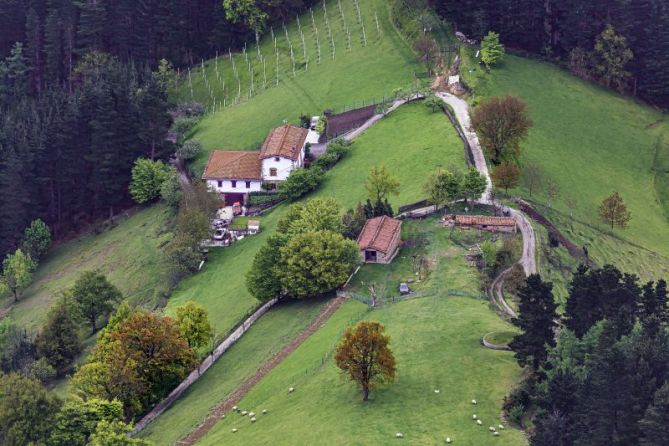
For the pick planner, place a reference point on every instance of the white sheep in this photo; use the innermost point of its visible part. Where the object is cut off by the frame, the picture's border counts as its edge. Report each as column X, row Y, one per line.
column 496, row 434
column 501, row 426
column 264, row 411
column 479, row 422
column 474, row 417
column 399, row 435
column 244, row 413
column 234, row 408
column 474, row 402
column 291, row 389
column 253, row 420
column 448, row 440
column 234, row 431
column 491, row 429
column 252, row 414
column 436, row 391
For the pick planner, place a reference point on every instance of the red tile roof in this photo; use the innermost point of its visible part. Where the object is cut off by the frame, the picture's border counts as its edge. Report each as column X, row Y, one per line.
column 470, row 220
column 227, row 164
column 378, row 234
column 285, row 141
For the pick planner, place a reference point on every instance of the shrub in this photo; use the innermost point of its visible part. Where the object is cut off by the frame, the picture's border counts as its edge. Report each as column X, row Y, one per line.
column 184, row 124
column 301, row 182
column 189, row 149
column 147, row 179
column 190, row 109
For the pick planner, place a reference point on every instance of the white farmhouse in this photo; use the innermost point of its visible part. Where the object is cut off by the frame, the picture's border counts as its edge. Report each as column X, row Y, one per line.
column 282, row 151
column 234, row 174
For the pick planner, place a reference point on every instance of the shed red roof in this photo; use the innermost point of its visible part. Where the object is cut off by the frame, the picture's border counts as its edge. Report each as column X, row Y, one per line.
column 378, row 234
column 227, row 164
column 285, row 141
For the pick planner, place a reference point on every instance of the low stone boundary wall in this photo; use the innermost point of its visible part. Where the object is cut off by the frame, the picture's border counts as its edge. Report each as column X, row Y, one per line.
column 204, row 365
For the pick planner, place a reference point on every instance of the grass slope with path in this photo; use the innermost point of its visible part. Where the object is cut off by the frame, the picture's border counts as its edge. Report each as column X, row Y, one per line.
column 591, row 142
column 220, row 286
column 436, row 341
column 129, row 254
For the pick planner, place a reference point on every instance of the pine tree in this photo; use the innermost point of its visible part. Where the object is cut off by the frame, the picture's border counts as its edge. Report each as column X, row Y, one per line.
column 655, row 423
column 536, row 319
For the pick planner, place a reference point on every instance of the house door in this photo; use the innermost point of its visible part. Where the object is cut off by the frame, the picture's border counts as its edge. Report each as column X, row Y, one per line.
column 370, row 256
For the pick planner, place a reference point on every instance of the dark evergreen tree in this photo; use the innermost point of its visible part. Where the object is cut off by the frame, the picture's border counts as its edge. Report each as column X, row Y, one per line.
column 655, row 424
column 536, row 319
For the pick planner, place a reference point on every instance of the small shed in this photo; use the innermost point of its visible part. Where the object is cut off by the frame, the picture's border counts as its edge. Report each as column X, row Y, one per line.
column 380, row 239
column 483, row 222
column 253, row 226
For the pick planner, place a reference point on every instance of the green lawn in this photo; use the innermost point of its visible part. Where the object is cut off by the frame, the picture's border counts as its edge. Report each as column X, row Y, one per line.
column 128, row 254
column 436, row 343
column 275, row 329
column 592, row 142
column 361, row 73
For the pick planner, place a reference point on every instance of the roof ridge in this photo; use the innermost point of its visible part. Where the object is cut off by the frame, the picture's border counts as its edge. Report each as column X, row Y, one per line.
column 372, row 242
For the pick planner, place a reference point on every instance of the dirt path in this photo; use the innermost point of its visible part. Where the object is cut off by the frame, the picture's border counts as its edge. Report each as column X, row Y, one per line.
column 528, row 257
column 236, row 396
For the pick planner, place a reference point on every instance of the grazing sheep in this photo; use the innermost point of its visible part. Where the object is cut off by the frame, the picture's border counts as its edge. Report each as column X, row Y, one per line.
column 496, row 434
column 474, row 402
column 448, row 440
column 234, row 431
column 291, row 389
column 399, row 435
column 244, row 413
column 501, row 426
column 253, row 420
column 436, row 391
column 474, row 417
column 264, row 411
column 234, row 408
column 252, row 414
column 491, row 429
column 479, row 422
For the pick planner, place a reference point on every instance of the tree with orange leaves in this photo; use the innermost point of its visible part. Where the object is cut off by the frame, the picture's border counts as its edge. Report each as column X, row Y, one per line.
column 364, row 355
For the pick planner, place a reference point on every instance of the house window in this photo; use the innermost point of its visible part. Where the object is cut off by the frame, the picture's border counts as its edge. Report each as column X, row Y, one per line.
column 370, row 256
column 277, row 159
column 234, row 183
column 248, row 185
column 220, row 183
column 272, row 172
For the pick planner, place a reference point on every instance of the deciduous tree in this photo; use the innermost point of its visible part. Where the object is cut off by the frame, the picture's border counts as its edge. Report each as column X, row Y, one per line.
column 193, row 322
column 381, row 183
column 532, row 176
column 501, row 123
column 612, row 55
column 189, row 149
column 36, row 239
column 492, row 51
column 427, row 51
column 95, row 295
column 316, row 262
column 147, row 179
column 77, row 420
column 365, row 356
column 27, row 411
column 442, row 187
column 434, row 103
column 473, row 185
column 262, row 280
column 506, row 175
column 58, row 341
column 614, row 211
column 17, row 273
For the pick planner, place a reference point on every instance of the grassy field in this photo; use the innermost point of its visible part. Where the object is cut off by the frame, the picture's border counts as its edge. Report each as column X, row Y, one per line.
column 591, row 142
column 128, row 254
column 266, row 337
column 436, row 343
column 361, row 73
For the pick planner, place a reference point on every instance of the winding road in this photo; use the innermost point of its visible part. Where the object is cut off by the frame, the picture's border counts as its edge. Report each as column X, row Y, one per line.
column 528, row 258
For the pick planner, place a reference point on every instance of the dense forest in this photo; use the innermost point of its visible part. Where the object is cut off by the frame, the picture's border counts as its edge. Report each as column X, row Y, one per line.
column 81, row 97
column 562, row 30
